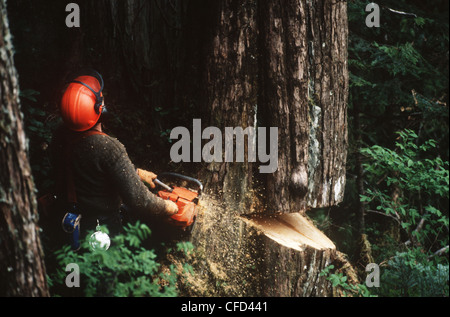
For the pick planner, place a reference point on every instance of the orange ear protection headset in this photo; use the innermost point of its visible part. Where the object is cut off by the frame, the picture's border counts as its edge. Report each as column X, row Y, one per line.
column 98, row 94
column 82, row 102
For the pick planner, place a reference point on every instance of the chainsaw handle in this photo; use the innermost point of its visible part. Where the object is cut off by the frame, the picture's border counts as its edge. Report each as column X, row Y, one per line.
column 186, row 178
column 157, row 181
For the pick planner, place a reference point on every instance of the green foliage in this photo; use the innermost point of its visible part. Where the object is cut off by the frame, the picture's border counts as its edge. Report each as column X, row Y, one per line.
column 422, row 182
column 339, row 280
column 399, row 71
column 125, row 269
column 38, row 129
column 401, row 59
column 29, row 94
column 399, row 82
column 411, row 186
column 411, row 273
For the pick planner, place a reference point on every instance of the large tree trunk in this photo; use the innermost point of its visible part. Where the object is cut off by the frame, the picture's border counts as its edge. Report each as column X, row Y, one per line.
column 230, row 98
column 22, row 270
column 280, row 64
column 304, row 91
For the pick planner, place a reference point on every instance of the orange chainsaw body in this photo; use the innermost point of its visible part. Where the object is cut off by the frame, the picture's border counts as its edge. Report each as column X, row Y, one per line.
column 187, row 207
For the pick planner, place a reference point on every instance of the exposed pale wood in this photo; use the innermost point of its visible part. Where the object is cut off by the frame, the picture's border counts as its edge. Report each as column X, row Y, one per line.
column 290, row 230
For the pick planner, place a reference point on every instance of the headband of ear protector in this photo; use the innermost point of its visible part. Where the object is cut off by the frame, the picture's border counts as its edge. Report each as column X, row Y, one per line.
column 97, row 94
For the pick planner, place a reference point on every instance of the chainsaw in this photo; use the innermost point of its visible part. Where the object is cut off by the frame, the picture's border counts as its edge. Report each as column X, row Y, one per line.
column 185, row 198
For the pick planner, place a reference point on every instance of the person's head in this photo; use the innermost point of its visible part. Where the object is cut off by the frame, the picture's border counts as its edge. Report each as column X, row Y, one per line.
column 82, row 102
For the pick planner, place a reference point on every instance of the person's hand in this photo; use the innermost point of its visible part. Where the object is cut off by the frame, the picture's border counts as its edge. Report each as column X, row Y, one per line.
column 147, row 177
column 171, row 207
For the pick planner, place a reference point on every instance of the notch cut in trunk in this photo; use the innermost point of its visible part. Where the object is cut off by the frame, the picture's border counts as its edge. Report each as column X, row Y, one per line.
column 291, row 230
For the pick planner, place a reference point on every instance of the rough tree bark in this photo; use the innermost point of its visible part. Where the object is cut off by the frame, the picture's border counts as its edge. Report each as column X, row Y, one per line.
column 286, row 62
column 223, row 240
column 22, row 270
column 304, row 87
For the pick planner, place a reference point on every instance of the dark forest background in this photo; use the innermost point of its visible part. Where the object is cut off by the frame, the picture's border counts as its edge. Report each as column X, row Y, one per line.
column 398, row 84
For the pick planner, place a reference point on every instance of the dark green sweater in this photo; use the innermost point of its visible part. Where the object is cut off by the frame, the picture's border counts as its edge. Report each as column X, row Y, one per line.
column 104, row 177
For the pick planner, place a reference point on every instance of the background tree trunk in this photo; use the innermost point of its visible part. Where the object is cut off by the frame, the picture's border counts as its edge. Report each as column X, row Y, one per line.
column 22, row 270
column 152, row 64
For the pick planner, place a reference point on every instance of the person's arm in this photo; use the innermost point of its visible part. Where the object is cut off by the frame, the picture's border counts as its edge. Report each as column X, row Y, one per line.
column 149, row 177
column 131, row 189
